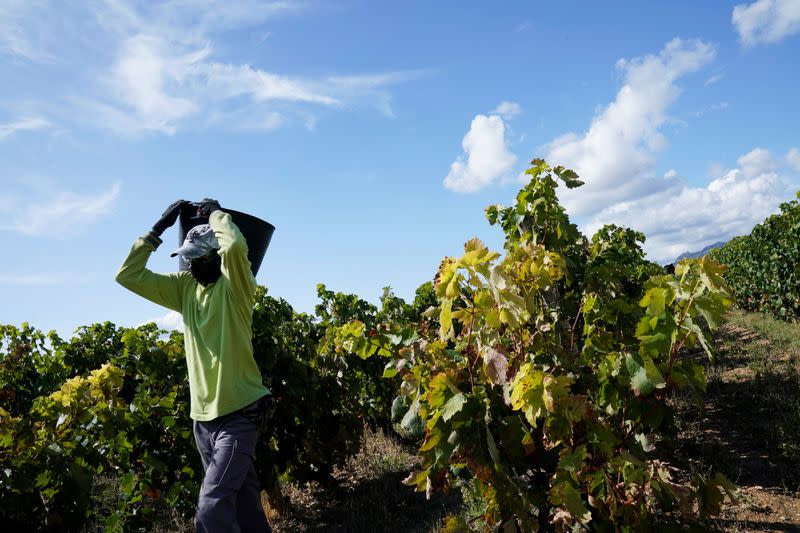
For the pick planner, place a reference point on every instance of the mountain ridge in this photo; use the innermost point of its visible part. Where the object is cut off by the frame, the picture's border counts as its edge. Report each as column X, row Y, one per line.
column 700, row 253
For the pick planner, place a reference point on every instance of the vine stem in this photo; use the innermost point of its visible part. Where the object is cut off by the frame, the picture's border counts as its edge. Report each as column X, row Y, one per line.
column 469, row 343
column 574, row 325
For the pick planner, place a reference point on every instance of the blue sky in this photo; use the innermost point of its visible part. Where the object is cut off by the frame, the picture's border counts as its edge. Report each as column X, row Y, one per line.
column 373, row 135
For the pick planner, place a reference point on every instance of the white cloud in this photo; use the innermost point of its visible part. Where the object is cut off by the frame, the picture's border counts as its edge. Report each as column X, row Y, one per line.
column 715, row 170
column 214, row 16
column 145, row 74
column 368, row 90
column 793, row 159
column 156, row 67
column 713, row 79
column 616, row 156
column 766, row 21
column 25, row 124
column 22, row 35
column 507, row 110
column 486, row 156
column 161, row 86
column 681, row 218
column 756, row 162
column 59, row 213
column 230, row 81
column 188, row 22
column 172, row 320
column 165, row 82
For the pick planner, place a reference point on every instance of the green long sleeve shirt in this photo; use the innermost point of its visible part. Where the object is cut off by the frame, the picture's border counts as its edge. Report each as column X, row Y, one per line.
column 217, row 319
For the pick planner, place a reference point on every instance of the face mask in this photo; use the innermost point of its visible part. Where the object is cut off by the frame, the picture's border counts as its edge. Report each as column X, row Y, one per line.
column 207, row 269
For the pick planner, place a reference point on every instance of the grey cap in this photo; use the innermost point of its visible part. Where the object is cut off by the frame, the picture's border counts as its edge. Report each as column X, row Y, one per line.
column 199, row 241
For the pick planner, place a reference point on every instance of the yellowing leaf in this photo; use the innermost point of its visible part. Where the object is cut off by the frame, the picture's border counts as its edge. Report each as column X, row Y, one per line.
column 445, row 319
column 527, row 393
column 555, row 389
column 483, row 299
column 493, row 319
column 437, row 390
column 432, row 440
column 654, row 300
column 475, row 253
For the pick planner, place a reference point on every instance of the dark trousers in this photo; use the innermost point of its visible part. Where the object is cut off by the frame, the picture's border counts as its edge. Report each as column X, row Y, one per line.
column 230, row 496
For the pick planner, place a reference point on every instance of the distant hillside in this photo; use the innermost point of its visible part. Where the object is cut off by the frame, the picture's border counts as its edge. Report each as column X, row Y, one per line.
column 701, row 253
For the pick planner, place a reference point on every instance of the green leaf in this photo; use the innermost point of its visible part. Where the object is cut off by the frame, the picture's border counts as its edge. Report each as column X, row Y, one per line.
column 508, row 317
column 411, row 422
column 43, row 479
column 571, row 461
column 711, row 273
column 126, row 483
column 417, row 479
column 512, row 300
column 645, row 442
column 492, row 213
column 565, row 495
column 699, row 335
column 154, row 462
column 492, row 446
column 390, row 370
column 453, row 406
column 399, row 407
column 645, row 376
column 711, row 308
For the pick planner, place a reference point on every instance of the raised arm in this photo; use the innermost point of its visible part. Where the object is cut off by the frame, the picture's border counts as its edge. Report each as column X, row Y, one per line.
column 233, row 250
column 163, row 289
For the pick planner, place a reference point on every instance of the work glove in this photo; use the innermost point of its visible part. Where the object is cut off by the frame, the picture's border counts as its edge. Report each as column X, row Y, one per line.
column 167, row 220
column 169, row 217
column 207, row 206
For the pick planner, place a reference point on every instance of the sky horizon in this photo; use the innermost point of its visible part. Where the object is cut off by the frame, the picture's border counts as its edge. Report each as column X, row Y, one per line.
column 373, row 136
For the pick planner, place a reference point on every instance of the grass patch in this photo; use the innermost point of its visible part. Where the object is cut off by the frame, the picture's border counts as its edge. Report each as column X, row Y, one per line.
column 782, row 335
